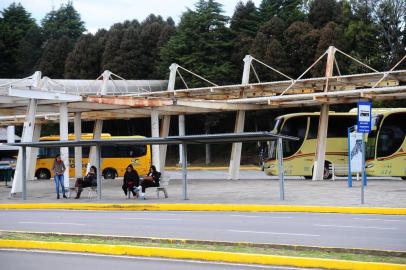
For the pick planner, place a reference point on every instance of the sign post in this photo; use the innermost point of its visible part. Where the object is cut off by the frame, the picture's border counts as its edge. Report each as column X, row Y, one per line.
column 364, row 120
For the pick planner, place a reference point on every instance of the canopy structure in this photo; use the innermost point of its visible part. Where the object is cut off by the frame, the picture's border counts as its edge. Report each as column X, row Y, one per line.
column 183, row 140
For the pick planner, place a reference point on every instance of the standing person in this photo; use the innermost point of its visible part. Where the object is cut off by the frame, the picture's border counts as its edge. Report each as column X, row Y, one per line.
column 59, row 168
column 90, row 180
column 151, row 180
column 131, row 180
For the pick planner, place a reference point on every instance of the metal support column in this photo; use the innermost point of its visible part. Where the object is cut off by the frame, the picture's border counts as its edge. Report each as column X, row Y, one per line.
column 97, row 131
column 184, row 172
column 24, row 172
column 77, row 126
column 32, row 153
column 181, row 133
column 99, row 173
column 280, row 170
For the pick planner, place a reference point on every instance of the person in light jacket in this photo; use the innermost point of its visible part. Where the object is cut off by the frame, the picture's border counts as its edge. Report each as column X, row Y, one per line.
column 58, row 168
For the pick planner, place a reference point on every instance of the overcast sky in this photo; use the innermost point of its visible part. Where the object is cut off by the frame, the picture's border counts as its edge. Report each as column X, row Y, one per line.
column 103, row 13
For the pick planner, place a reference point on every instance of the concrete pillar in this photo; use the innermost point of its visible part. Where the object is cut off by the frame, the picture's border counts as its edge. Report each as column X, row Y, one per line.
column 164, row 132
column 155, row 133
column 97, row 131
column 64, row 136
column 27, row 135
column 28, row 132
column 318, row 170
column 235, row 160
column 32, row 153
column 77, row 124
column 11, row 134
column 181, row 123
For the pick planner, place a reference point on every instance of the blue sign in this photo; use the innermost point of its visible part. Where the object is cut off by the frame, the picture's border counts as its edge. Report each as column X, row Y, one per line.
column 364, row 117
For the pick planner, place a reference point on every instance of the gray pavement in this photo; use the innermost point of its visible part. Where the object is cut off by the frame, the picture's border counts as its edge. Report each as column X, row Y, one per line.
column 36, row 260
column 383, row 232
column 207, row 186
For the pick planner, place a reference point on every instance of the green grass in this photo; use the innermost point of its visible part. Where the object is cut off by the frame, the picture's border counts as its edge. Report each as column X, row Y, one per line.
column 239, row 249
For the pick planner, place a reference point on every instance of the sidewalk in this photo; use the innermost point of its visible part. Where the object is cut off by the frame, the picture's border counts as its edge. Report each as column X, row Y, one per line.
column 211, row 186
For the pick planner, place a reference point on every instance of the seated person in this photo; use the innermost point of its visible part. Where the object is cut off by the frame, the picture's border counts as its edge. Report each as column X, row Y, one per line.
column 151, row 180
column 90, row 180
column 131, row 180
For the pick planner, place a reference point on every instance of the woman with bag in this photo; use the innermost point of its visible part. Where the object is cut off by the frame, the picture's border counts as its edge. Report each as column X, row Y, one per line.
column 131, row 180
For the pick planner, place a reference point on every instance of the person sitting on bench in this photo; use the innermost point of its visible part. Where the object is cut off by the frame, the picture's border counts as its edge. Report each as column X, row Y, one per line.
column 90, row 180
column 131, row 180
column 151, row 180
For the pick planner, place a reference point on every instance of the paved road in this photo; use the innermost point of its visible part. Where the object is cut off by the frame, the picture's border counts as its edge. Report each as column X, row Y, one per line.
column 33, row 260
column 337, row 230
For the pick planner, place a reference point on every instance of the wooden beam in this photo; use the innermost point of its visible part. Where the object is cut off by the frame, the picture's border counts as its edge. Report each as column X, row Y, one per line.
column 135, row 102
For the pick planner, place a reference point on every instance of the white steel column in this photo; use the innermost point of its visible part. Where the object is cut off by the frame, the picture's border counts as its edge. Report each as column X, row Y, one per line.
column 11, row 134
column 318, row 170
column 235, row 160
column 32, row 153
column 28, row 131
column 155, row 133
column 63, row 135
column 77, row 125
column 164, row 132
column 181, row 123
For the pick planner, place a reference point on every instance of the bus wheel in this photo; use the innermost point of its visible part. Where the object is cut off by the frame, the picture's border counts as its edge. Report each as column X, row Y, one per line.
column 109, row 174
column 308, row 177
column 43, row 174
column 403, row 177
column 327, row 174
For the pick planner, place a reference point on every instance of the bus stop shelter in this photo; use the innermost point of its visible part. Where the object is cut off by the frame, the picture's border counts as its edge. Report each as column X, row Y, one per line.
column 170, row 140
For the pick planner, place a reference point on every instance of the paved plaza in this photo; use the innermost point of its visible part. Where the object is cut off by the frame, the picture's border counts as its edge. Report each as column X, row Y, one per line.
column 208, row 186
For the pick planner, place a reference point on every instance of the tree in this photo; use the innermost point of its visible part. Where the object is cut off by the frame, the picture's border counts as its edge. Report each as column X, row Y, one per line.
column 323, row 11
column 201, row 43
column 84, row 61
column 288, row 10
column 244, row 25
column 59, row 27
column 20, row 42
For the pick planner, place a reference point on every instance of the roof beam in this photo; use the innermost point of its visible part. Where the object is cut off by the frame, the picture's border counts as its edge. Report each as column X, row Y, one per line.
column 38, row 94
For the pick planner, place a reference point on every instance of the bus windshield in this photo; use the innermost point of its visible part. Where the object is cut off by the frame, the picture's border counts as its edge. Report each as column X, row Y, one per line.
column 295, row 126
column 391, row 134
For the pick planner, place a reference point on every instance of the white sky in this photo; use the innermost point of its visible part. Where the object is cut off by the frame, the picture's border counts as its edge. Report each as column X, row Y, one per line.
column 103, row 13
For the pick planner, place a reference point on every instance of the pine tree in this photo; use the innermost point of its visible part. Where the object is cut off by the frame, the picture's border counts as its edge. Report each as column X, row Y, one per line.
column 323, row 11
column 20, row 42
column 201, row 43
column 288, row 10
column 61, row 28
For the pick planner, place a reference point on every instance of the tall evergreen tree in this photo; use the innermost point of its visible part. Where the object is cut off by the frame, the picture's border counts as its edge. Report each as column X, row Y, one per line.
column 323, row 11
column 288, row 10
column 20, row 42
column 59, row 27
column 84, row 62
column 201, row 43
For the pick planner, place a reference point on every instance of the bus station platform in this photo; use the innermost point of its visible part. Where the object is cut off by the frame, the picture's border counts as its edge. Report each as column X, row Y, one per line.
column 254, row 187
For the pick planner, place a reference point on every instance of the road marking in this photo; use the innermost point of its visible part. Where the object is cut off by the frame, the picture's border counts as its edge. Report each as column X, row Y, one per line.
column 277, row 233
column 249, row 216
column 51, row 223
column 379, row 219
column 156, row 219
column 355, row 227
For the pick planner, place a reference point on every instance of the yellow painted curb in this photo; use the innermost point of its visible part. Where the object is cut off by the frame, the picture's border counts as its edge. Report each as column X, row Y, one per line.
column 207, row 207
column 201, row 255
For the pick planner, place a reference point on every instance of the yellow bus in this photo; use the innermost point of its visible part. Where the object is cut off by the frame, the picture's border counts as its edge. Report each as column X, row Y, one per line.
column 114, row 161
column 385, row 147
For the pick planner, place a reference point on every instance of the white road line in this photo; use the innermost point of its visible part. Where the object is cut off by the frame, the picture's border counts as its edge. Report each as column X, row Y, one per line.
column 51, row 223
column 276, row 233
column 249, row 216
column 379, row 219
column 355, row 227
column 155, row 219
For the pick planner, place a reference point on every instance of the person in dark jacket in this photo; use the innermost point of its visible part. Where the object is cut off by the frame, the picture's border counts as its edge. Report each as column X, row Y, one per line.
column 90, row 180
column 58, row 168
column 131, row 180
column 151, row 180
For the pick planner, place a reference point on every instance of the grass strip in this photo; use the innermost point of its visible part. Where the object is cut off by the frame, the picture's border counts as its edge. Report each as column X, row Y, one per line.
column 182, row 245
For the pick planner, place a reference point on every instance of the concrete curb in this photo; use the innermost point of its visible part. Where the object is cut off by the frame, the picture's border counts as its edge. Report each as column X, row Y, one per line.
column 207, row 207
column 205, row 255
column 373, row 252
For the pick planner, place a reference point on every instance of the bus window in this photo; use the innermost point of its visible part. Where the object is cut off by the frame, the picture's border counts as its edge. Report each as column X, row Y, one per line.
column 391, row 135
column 295, row 126
column 337, row 127
column 370, row 145
column 123, row 151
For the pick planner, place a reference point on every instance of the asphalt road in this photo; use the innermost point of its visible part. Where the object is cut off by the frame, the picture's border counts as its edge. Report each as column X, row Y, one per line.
column 38, row 260
column 383, row 232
